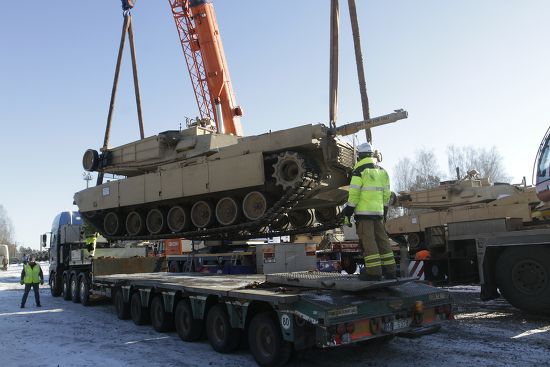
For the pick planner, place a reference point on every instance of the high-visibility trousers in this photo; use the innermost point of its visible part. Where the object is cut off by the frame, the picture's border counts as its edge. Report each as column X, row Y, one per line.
column 376, row 247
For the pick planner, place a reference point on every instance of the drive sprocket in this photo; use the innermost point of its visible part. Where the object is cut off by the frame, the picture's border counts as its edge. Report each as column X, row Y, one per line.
column 289, row 170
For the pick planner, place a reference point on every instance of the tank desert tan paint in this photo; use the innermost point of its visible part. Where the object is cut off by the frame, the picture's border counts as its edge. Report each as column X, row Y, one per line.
column 196, row 183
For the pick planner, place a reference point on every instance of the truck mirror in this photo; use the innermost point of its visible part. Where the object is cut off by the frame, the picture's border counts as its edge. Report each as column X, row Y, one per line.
column 43, row 240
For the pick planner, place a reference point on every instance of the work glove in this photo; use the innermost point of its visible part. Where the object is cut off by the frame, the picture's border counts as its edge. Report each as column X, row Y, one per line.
column 348, row 211
column 21, row 282
column 41, row 282
column 385, row 213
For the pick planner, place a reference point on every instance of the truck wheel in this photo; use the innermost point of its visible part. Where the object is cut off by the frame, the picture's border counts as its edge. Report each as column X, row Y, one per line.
column 139, row 314
column 222, row 337
column 523, row 278
column 266, row 340
column 75, row 295
column 189, row 329
column 161, row 320
column 84, row 290
column 56, row 285
column 122, row 308
column 66, row 287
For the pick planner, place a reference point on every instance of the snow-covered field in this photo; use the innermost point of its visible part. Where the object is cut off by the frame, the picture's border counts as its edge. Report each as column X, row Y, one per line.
column 62, row 333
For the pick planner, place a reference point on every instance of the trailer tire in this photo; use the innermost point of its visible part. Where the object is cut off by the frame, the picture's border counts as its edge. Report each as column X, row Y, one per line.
column 56, row 285
column 84, row 290
column 523, row 278
column 223, row 338
column 266, row 340
column 75, row 295
column 139, row 314
column 122, row 308
column 161, row 320
column 66, row 287
column 189, row 329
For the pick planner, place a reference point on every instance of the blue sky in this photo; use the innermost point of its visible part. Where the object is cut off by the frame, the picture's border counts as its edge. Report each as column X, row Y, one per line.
column 469, row 73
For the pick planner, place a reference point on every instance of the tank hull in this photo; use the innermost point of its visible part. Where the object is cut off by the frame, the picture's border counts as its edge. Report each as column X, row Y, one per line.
column 180, row 169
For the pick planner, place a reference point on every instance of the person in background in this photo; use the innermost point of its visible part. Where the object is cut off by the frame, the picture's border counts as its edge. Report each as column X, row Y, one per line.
column 32, row 276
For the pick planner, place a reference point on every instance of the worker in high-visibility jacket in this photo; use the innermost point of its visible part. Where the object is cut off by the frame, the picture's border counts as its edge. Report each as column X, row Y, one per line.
column 90, row 236
column 31, row 276
column 368, row 200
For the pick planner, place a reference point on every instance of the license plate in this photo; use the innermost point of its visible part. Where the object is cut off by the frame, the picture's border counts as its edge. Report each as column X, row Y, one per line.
column 400, row 324
column 396, row 325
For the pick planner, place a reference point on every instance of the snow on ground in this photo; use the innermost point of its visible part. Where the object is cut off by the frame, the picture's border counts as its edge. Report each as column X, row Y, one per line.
column 62, row 333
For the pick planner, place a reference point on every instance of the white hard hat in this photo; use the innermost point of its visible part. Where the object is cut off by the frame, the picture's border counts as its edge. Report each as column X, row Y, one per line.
column 365, row 148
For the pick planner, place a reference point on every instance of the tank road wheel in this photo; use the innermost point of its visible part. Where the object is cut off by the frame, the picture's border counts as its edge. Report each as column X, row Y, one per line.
column 111, row 224
column 222, row 337
column 189, row 329
column 75, row 296
column 327, row 215
column 254, row 205
column 202, row 214
column 177, row 219
column 266, row 340
column 282, row 224
column 523, row 278
column 84, row 290
column 155, row 221
column 66, row 287
column 301, row 218
column 56, row 285
column 135, row 225
column 288, row 170
column 122, row 308
column 139, row 314
column 227, row 211
column 161, row 320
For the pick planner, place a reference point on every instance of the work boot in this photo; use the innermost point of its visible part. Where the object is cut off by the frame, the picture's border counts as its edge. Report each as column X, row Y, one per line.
column 390, row 276
column 39, row 305
column 22, row 306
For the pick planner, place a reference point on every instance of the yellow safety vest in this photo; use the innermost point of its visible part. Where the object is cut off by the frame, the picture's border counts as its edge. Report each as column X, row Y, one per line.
column 369, row 189
column 32, row 274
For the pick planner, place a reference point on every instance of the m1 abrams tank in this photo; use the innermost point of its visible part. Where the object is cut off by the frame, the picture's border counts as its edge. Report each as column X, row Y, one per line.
column 469, row 199
column 199, row 184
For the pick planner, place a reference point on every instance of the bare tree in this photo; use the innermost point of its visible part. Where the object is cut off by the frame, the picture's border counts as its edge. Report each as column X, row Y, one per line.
column 6, row 227
column 488, row 162
column 422, row 173
column 404, row 175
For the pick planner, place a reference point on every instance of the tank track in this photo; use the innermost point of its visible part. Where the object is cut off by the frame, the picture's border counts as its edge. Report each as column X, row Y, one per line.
column 258, row 228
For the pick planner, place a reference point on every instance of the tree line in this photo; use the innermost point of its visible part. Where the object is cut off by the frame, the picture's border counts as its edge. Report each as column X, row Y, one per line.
column 423, row 170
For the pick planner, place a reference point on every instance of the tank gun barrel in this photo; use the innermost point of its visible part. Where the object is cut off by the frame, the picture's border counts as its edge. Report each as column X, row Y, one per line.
column 355, row 127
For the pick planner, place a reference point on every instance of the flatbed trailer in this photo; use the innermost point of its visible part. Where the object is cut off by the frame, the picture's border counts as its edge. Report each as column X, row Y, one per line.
column 278, row 313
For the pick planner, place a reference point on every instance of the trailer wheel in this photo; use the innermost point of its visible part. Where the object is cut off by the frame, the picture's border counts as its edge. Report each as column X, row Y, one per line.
column 122, row 308
column 162, row 321
column 189, row 329
column 75, row 295
column 84, row 290
column 139, row 314
column 66, row 287
column 523, row 278
column 56, row 285
column 222, row 337
column 266, row 340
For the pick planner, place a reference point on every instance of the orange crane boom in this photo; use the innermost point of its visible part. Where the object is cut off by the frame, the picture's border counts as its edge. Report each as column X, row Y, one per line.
column 203, row 50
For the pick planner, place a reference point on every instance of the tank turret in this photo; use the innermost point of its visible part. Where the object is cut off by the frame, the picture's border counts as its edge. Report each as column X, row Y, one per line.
column 196, row 183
